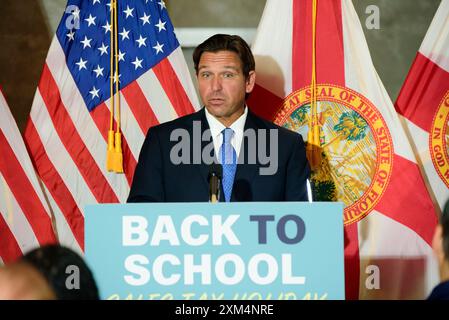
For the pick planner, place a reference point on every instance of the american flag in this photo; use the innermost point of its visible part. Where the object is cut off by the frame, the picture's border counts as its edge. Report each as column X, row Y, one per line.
column 66, row 134
column 25, row 220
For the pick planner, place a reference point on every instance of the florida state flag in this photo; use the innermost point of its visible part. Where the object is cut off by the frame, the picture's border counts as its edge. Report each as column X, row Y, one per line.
column 315, row 76
column 424, row 104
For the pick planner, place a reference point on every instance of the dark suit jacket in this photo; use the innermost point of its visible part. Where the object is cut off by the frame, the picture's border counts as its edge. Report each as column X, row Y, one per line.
column 440, row 292
column 157, row 179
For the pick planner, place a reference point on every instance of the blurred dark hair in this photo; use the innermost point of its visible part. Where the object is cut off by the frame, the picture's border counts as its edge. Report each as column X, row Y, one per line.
column 226, row 42
column 52, row 262
column 444, row 221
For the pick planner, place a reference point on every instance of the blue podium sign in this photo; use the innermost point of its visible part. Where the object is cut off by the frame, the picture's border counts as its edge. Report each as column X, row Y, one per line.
column 253, row 250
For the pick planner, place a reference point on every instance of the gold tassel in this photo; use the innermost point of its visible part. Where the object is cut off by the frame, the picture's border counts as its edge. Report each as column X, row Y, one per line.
column 118, row 154
column 110, row 151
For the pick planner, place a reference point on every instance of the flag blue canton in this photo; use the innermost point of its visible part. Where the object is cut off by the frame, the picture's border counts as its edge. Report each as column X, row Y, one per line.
column 145, row 37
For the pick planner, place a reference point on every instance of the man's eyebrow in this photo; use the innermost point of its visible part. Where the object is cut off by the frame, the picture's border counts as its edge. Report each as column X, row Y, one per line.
column 225, row 67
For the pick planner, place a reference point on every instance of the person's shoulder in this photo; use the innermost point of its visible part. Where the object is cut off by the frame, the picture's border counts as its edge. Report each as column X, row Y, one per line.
column 440, row 292
column 283, row 133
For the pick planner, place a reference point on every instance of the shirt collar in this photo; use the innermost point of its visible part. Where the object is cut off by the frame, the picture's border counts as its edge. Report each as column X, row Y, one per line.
column 216, row 127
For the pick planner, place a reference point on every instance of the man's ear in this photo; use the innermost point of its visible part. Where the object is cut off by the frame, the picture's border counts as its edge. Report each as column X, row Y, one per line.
column 437, row 243
column 250, row 81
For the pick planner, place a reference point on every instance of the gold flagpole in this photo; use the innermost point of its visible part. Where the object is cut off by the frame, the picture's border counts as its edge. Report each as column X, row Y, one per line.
column 313, row 136
column 114, row 159
column 118, row 155
column 110, row 151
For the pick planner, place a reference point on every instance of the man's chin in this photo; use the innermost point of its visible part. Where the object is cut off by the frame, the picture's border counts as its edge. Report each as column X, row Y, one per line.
column 216, row 110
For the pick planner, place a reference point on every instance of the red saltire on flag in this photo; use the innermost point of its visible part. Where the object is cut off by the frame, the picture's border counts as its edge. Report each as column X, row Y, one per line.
column 364, row 158
column 25, row 219
column 423, row 103
column 66, row 134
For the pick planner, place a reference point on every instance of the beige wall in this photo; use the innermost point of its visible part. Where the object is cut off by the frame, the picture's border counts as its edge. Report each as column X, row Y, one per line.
column 24, row 42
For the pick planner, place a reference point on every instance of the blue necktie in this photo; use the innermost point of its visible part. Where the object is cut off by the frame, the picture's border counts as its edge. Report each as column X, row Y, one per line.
column 229, row 163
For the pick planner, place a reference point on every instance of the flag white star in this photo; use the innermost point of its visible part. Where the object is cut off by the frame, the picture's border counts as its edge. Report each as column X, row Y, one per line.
column 145, row 18
column 115, row 77
column 76, row 13
column 71, row 35
column 158, row 47
column 90, row 20
column 81, row 64
column 162, row 4
column 141, row 41
column 121, row 55
column 128, row 12
column 94, row 92
column 161, row 25
column 103, row 49
column 99, row 71
column 137, row 63
column 109, row 5
column 96, row 1
column 86, row 42
column 124, row 34
column 107, row 27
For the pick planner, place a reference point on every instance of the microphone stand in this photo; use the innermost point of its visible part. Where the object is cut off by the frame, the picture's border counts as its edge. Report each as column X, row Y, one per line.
column 215, row 175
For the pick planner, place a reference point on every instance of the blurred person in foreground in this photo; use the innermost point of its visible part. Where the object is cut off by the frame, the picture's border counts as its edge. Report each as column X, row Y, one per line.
column 440, row 245
column 48, row 273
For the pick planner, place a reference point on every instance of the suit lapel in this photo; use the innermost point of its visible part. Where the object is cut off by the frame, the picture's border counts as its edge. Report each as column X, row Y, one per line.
column 203, row 167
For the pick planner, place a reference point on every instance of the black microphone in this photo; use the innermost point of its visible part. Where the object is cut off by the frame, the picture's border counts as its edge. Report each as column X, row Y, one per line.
column 215, row 175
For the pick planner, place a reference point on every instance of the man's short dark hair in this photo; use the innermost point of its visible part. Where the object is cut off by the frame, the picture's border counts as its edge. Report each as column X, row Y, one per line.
column 52, row 262
column 444, row 221
column 226, row 42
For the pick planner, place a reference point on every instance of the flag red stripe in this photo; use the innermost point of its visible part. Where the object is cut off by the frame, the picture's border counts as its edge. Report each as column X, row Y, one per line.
column 9, row 249
column 264, row 103
column 72, row 141
column 329, row 44
column 352, row 262
column 54, row 183
column 421, row 94
column 417, row 212
column 24, row 192
column 139, row 106
column 173, row 88
column 101, row 116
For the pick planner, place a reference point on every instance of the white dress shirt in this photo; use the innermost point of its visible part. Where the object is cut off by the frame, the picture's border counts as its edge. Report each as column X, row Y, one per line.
column 216, row 128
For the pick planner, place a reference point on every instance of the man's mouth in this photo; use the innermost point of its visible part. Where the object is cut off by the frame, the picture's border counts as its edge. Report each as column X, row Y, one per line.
column 216, row 100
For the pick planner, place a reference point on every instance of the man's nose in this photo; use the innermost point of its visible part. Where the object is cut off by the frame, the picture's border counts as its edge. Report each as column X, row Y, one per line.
column 216, row 84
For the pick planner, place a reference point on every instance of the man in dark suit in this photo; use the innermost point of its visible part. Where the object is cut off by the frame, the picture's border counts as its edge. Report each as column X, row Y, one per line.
column 260, row 161
column 440, row 245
